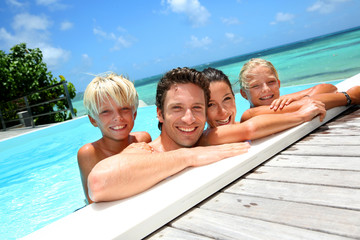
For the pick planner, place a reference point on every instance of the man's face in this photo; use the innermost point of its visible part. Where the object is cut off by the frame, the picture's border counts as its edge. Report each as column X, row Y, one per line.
column 183, row 117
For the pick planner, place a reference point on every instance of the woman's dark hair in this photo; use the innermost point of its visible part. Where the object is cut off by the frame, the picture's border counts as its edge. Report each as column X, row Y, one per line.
column 215, row 75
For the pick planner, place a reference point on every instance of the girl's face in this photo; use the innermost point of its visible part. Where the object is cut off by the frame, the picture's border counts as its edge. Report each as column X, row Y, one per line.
column 264, row 87
column 222, row 108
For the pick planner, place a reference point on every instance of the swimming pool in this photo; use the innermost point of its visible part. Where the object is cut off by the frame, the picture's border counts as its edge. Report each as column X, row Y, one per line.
column 39, row 176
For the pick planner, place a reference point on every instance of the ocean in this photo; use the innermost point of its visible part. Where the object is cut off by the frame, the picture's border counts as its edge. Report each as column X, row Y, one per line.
column 334, row 56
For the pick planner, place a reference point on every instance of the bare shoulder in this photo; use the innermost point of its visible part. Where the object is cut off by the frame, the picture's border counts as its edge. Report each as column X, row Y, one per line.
column 140, row 137
column 87, row 154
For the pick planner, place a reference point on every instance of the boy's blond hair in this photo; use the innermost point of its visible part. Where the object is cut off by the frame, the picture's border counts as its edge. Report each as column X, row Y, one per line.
column 252, row 63
column 109, row 86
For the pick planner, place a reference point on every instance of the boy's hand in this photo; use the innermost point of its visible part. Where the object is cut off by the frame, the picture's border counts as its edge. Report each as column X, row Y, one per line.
column 281, row 102
column 312, row 108
column 138, row 147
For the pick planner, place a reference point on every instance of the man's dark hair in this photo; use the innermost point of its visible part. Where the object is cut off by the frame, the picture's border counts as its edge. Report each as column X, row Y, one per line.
column 180, row 76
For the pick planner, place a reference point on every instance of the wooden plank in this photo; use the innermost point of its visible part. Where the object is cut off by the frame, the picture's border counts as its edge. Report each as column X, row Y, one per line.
column 323, row 150
column 335, row 221
column 329, row 140
column 349, row 179
column 231, row 227
column 169, row 233
column 339, row 197
column 315, row 162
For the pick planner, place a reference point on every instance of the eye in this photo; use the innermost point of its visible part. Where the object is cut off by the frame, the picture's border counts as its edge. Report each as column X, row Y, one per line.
column 211, row 105
column 272, row 82
column 227, row 98
column 254, row 86
column 198, row 107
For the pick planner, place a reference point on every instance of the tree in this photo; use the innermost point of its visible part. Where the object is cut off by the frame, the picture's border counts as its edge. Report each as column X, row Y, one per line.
column 23, row 72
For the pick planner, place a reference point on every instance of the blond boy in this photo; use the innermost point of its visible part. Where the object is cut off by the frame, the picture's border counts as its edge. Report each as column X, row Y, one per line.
column 111, row 103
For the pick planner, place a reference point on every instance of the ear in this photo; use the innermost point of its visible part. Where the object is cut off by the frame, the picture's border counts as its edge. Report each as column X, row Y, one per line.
column 243, row 94
column 135, row 114
column 279, row 82
column 93, row 122
column 159, row 115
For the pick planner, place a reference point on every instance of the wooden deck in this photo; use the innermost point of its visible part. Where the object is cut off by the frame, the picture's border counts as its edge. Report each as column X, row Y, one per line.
column 311, row 190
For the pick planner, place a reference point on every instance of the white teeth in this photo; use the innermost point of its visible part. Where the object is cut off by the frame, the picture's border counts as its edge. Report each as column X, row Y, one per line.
column 223, row 121
column 186, row 129
column 118, row 127
column 266, row 98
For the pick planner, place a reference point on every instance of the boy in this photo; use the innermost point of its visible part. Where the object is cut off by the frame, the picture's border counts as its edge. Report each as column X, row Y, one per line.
column 260, row 85
column 111, row 103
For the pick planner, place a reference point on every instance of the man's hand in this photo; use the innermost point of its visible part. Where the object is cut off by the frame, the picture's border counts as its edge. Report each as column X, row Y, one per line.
column 200, row 156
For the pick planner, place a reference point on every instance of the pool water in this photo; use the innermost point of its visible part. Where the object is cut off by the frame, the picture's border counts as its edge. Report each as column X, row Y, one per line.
column 39, row 175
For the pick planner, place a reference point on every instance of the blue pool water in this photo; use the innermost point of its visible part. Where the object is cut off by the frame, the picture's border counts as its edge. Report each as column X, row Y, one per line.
column 39, row 176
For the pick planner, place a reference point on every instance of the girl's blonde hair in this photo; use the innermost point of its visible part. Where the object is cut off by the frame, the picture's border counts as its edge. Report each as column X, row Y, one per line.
column 109, row 86
column 251, row 64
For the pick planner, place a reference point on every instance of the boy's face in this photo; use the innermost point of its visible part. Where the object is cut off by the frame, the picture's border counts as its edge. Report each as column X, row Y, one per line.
column 184, row 115
column 264, row 87
column 115, row 122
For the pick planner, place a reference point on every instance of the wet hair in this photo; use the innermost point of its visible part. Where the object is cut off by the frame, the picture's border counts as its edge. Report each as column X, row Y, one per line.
column 251, row 64
column 180, row 76
column 109, row 86
column 215, row 75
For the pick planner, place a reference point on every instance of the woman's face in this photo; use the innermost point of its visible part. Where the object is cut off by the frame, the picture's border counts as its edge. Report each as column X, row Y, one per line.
column 222, row 108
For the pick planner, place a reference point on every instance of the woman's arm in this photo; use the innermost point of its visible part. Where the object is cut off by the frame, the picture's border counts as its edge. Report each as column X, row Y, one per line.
column 262, row 125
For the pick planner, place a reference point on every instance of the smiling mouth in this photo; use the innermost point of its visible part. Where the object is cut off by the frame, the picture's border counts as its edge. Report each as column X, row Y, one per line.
column 118, row 127
column 223, row 122
column 187, row 130
column 267, row 97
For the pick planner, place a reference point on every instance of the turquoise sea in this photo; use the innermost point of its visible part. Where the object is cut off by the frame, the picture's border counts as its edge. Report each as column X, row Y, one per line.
column 325, row 58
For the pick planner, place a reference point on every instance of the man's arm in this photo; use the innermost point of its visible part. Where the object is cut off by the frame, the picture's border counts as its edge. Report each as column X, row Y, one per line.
column 262, row 125
column 127, row 174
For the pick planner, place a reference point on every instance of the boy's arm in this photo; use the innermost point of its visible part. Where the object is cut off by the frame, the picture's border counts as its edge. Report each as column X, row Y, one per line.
column 129, row 173
column 285, row 100
column 262, row 125
column 86, row 160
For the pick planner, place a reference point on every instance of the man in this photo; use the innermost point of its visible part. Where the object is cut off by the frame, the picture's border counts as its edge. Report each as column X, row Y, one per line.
column 182, row 98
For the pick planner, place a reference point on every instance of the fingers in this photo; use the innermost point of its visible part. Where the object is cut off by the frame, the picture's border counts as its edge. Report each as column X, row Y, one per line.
column 280, row 103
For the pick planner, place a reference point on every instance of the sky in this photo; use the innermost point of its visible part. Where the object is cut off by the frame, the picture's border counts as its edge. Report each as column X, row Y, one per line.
column 142, row 38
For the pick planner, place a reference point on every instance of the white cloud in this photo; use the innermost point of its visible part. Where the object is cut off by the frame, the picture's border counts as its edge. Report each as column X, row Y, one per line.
column 197, row 14
column 325, row 6
column 283, row 17
column 28, row 22
column 66, row 25
column 52, row 4
column 200, row 43
column 233, row 38
column 123, row 41
column 230, row 21
column 15, row 3
column 33, row 30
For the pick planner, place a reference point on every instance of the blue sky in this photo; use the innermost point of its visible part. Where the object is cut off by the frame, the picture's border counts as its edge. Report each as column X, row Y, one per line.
column 145, row 38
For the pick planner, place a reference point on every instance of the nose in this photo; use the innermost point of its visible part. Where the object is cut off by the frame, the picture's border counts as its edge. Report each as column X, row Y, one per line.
column 265, row 87
column 118, row 116
column 188, row 117
column 222, row 110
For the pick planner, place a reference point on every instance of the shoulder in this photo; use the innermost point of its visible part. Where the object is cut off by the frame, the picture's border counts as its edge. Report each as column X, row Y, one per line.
column 87, row 154
column 141, row 137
